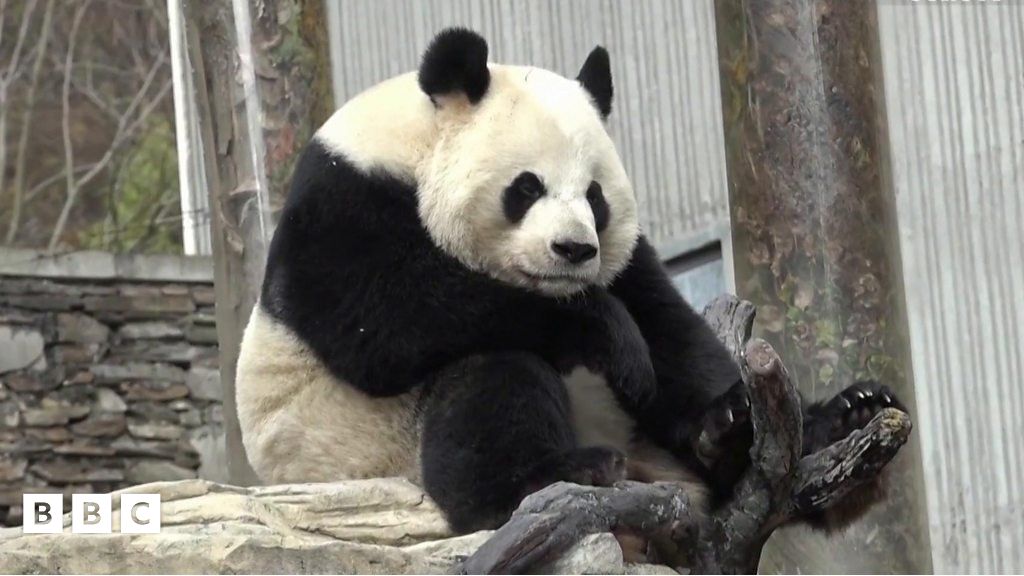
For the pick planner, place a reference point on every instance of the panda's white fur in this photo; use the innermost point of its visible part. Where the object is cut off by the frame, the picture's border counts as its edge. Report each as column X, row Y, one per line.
column 293, row 411
column 459, row 156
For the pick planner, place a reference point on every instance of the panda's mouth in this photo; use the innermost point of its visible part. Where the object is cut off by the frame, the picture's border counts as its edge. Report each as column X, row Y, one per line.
column 552, row 277
column 559, row 280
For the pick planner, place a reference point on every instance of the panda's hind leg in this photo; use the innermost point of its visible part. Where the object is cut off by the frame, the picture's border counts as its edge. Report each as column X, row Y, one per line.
column 497, row 427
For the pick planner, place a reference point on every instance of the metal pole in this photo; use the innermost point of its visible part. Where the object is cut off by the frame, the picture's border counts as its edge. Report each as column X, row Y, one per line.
column 195, row 206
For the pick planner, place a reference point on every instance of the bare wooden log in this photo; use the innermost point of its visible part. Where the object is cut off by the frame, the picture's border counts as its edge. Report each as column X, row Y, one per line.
column 828, row 475
column 778, row 486
column 730, row 540
column 550, row 521
column 732, row 320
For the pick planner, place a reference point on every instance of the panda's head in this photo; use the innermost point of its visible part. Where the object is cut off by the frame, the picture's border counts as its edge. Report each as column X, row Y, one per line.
column 520, row 179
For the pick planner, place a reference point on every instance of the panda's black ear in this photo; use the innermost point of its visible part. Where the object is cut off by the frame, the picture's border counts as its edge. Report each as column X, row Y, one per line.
column 596, row 77
column 455, row 62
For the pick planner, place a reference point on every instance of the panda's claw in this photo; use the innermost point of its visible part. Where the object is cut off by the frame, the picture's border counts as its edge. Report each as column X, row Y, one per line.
column 726, row 418
column 850, row 410
column 707, row 449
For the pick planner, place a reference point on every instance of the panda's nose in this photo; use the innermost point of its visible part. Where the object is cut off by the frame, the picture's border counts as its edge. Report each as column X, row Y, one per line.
column 574, row 252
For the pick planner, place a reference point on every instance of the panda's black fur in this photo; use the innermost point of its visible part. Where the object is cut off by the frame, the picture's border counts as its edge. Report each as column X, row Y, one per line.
column 455, row 61
column 353, row 273
column 355, row 276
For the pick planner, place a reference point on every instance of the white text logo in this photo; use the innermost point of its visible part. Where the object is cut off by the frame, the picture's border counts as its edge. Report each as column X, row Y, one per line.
column 91, row 514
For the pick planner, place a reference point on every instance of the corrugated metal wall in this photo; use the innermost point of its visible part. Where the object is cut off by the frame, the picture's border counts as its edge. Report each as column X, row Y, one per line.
column 667, row 118
column 954, row 81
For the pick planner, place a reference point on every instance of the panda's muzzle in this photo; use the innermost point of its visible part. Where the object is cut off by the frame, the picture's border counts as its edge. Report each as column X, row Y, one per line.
column 574, row 252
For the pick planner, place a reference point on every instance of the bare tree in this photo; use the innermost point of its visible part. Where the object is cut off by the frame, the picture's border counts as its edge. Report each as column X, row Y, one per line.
column 26, row 124
column 8, row 75
column 138, row 110
column 88, row 101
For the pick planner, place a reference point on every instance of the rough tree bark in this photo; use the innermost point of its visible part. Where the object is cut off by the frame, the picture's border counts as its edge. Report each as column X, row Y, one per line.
column 261, row 72
column 815, row 241
column 778, row 487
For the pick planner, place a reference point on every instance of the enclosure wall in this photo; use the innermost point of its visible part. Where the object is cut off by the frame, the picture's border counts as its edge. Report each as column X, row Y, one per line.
column 954, row 83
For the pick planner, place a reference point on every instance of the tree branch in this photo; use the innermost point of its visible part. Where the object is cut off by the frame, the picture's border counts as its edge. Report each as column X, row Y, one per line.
column 550, row 521
column 3, row 18
column 824, row 478
column 778, row 487
column 52, row 179
column 26, row 124
column 126, row 126
column 12, row 64
column 7, row 77
column 69, row 152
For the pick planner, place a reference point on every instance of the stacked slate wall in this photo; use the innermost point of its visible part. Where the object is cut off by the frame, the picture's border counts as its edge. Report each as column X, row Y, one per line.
column 106, row 381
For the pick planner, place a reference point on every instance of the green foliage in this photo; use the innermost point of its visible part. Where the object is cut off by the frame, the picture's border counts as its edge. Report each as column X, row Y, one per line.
column 144, row 213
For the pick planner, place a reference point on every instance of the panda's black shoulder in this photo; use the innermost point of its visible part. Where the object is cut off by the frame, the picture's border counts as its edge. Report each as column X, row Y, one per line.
column 327, row 189
column 338, row 223
column 353, row 273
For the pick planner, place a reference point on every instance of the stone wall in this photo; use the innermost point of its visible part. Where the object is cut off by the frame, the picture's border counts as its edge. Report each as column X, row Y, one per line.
column 108, row 374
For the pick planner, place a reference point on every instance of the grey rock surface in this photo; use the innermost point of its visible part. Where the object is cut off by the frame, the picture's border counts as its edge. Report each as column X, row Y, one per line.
column 96, row 380
column 204, row 383
column 20, row 348
column 80, row 328
column 375, row 526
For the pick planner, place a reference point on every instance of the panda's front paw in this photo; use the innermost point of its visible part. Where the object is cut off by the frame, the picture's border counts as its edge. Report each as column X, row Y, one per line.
column 724, row 430
column 847, row 411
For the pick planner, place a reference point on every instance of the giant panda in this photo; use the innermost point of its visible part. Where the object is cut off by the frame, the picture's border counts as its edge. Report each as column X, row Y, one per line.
column 458, row 293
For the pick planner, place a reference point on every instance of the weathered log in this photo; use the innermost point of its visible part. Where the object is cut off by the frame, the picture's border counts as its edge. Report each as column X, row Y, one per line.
column 550, row 521
column 732, row 320
column 830, row 474
column 779, row 485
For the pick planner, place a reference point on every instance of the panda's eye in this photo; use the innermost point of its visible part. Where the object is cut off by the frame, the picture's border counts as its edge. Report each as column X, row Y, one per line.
column 599, row 206
column 529, row 185
column 524, row 190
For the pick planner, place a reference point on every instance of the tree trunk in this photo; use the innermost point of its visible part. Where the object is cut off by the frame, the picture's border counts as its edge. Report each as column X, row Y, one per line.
column 814, row 237
column 262, row 86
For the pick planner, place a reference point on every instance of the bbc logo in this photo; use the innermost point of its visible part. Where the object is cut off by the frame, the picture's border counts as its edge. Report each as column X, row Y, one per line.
column 90, row 514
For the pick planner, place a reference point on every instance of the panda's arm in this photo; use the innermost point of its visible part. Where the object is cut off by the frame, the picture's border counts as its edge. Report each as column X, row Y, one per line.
column 699, row 387
column 599, row 333
column 693, row 367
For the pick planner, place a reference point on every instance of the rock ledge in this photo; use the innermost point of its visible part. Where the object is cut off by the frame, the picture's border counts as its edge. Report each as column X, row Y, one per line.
column 367, row 526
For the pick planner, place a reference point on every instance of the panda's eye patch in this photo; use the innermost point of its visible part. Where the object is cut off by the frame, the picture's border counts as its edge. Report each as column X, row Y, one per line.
column 529, row 184
column 598, row 205
column 524, row 190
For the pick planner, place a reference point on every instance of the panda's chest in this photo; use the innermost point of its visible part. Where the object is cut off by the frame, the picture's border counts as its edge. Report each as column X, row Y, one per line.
column 597, row 417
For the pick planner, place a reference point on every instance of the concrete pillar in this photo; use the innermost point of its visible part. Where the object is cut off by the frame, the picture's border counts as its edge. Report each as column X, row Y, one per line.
column 815, row 239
